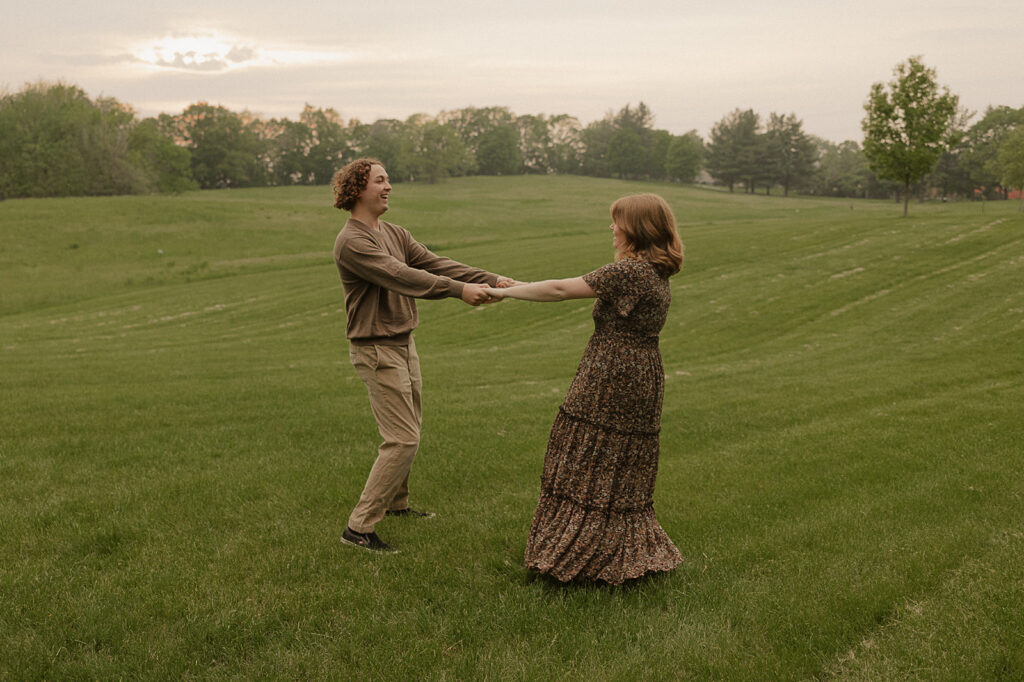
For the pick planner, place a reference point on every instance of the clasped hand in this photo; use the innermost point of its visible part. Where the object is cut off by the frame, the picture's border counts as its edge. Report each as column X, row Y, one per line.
column 477, row 294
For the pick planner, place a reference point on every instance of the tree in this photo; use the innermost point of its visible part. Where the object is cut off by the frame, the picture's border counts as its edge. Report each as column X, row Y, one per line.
column 684, row 157
column 635, row 149
column 534, row 141
column 980, row 148
column 165, row 166
column 624, row 144
column 909, row 126
column 434, row 151
column 384, row 141
column 329, row 148
column 656, row 148
column 626, row 153
column 790, row 153
column 226, row 150
column 1011, row 162
column 843, row 171
column 732, row 153
column 951, row 177
column 55, row 141
column 289, row 152
column 497, row 152
column 491, row 135
column 565, row 150
column 596, row 138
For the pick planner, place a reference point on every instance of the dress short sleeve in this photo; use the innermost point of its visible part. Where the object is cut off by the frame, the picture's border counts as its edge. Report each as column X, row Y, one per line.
column 612, row 284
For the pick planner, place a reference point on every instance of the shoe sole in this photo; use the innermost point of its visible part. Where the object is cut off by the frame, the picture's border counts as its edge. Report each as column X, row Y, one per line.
column 368, row 548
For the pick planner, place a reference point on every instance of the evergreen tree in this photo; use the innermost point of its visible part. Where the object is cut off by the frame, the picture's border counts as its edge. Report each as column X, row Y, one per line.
column 733, row 148
column 791, row 154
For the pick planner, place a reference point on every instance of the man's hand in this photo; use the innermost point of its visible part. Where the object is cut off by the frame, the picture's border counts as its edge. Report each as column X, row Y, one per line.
column 506, row 282
column 475, row 294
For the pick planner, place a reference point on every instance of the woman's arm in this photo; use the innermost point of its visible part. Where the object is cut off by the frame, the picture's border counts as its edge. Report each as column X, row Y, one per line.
column 548, row 290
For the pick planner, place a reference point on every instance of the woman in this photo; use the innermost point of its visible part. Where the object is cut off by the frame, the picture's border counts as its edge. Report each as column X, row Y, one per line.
column 595, row 519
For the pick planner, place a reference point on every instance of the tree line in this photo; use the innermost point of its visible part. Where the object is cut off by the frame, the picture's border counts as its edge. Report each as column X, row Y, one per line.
column 56, row 141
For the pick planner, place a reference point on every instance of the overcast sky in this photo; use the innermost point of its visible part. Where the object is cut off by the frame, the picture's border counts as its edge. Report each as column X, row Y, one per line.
column 691, row 62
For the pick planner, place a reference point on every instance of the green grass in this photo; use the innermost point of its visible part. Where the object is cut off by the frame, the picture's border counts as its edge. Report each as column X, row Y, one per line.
column 182, row 437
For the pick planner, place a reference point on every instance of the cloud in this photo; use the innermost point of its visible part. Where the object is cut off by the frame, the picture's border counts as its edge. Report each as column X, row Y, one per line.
column 209, row 53
column 240, row 53
column 218, row 53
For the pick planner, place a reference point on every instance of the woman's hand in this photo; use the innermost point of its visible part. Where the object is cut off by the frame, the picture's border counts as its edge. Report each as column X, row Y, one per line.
column 494, row 293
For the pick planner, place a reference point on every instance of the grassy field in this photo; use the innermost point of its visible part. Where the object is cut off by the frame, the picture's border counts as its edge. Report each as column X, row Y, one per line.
column 182, row 437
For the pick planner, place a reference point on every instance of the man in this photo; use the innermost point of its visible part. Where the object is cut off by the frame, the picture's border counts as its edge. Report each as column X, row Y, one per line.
column 383, row 269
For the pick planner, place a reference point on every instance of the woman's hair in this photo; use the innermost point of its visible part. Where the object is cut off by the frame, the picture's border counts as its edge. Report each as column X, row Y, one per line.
column 650, row 230
column 350, row 181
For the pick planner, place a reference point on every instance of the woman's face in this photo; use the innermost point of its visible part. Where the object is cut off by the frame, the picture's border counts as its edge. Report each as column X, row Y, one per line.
column 618, row 237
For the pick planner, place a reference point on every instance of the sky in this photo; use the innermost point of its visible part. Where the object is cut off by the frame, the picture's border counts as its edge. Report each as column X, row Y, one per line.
column 690, row 62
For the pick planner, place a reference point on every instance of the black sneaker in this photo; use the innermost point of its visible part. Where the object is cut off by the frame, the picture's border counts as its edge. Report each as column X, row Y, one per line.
column 410, row 512
column 366, row 541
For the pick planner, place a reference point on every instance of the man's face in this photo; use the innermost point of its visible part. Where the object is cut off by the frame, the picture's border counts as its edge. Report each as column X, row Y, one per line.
column 374, row 196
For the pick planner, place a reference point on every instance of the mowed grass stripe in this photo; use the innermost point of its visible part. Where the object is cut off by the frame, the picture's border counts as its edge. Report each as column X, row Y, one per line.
column 181, row 443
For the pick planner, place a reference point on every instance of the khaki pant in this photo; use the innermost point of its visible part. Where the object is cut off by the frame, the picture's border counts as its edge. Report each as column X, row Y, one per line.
column 392, row 378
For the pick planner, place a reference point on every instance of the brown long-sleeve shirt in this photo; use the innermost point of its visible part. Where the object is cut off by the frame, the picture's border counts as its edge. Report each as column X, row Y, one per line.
column 383, row 270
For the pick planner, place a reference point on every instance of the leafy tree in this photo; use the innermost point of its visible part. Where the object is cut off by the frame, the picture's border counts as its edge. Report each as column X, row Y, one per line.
column 226, row 150
column 624, row 144
column 760, row 168
column 565, row 149
column 733, row 148
column 534, row 142
column 656, row 152
column 290, row 152
column 55, row 141
column 1011, row 162
column 434, row 151
column 626, row 154
column 908, row 126
column 491, row 135
column 790, row 153
column 384, row 140
column 684, row 157
column 165, row 166
column 596, row 138
column 329, row 149
column 843, row 170
column 981, row 144
column 497, row 151
column 951, row 176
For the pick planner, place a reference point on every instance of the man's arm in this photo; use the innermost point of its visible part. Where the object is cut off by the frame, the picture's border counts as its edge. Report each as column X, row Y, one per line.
column 425, row 259
column 366, row 260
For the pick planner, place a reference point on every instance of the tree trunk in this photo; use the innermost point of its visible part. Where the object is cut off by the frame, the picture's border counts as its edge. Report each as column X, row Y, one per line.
column 906, row 197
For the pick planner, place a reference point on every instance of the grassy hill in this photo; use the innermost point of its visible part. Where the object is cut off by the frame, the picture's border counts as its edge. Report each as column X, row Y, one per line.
column 182, row 438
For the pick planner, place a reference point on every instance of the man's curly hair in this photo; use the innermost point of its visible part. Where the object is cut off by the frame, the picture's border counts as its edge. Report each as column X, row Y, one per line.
column 350, row 181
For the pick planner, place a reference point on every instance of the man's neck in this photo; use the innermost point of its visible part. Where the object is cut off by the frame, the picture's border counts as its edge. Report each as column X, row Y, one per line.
column 366, row 217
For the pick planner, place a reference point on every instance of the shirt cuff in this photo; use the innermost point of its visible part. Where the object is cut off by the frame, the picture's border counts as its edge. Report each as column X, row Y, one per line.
column 455, row 288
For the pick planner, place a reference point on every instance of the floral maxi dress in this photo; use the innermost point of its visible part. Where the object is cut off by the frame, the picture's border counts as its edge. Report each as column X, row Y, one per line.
column 595, row 518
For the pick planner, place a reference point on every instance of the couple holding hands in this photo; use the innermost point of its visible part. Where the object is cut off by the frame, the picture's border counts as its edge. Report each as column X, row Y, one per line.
column 595, row 519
